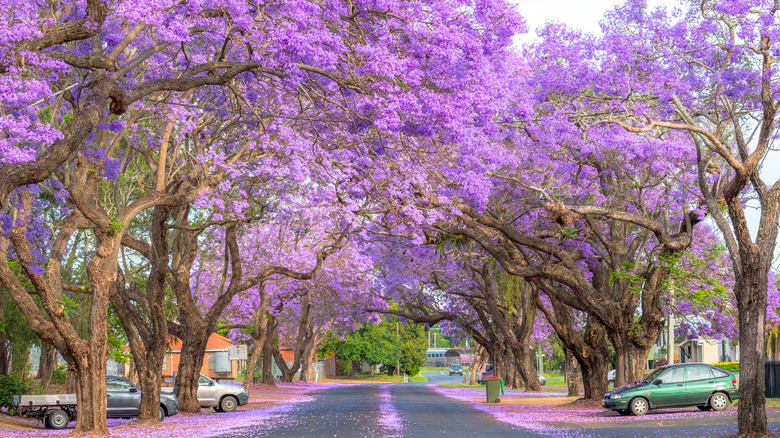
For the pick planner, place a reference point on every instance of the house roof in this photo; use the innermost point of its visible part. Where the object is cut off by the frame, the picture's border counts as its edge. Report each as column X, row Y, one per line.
column 215, row 341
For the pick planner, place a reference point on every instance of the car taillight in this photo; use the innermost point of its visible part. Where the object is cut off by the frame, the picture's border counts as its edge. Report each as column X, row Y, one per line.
column 734, row 382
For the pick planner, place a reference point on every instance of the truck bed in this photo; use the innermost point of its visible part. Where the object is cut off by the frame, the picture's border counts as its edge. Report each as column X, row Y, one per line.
column 35, row 401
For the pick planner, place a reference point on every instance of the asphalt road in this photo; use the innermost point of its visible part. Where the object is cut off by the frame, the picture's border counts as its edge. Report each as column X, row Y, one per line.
column 415, row 410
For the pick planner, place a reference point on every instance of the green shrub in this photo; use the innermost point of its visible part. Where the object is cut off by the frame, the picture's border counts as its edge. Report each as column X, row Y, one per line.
column 59, row 375
column 728, row 366
column 9, row 387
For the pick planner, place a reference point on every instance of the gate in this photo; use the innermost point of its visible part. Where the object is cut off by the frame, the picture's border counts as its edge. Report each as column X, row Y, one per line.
column 772, row 379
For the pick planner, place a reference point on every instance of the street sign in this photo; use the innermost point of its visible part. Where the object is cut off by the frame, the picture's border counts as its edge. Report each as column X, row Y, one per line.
column 237, row 352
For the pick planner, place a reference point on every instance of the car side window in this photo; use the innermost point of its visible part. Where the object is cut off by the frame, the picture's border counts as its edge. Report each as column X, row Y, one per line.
column 719, row 373
column 674, row 375
column 203, row 381
column 697, row 373
column 118, row 386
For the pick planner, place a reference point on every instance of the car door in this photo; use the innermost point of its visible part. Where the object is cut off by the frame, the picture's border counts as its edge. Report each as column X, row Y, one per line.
column 123, row 398
column 699, row 384
column 669, row 388
column 207, row 392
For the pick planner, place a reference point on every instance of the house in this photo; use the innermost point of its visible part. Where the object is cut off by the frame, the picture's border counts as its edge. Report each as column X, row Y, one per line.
column 216, row 363
column 687, row 350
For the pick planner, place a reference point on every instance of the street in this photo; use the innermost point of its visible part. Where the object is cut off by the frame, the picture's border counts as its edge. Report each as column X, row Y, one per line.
column 416, row 410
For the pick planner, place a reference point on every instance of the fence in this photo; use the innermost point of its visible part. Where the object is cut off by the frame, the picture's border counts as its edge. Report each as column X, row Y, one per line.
column 772, row 379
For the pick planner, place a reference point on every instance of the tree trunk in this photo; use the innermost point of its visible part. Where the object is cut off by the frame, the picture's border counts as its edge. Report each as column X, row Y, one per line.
column 193, row 350
column 570, row 367
column 150, row 378
column 46, row 365
column 594, row 361
column 259, row 322
column 477, row 361
column 4, row 358
column 268, row 352
column 751, row 294
column 630, row 358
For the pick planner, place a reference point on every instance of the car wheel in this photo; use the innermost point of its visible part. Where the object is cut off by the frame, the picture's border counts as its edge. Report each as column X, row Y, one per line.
column 705, row 408
column 639, row 406
column 161, row 413
column 719, row 401
column 228, row 404
column 624, row 412
column 58, row 419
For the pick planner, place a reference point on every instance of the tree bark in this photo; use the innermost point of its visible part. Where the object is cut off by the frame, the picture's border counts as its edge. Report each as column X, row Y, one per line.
column 570, row 369
column 193, row 351
column 751, row 292
column 4, row 353
column 268, row 352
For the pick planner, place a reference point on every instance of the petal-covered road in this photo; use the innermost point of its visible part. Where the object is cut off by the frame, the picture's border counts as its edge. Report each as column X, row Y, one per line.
column 418, row 410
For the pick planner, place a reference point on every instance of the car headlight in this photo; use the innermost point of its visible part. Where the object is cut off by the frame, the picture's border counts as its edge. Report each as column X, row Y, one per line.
column 169, row 397
column 615, row 396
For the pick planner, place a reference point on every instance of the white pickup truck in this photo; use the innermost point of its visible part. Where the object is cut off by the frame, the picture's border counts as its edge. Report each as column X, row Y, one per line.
column 221, row 397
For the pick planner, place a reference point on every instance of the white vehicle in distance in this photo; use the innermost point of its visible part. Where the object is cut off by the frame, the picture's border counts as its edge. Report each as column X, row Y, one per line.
column 221, row 397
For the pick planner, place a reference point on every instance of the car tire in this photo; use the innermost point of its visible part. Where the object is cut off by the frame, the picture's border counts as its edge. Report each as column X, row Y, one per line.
column 228, row 404
column 624, row 412
column 639, row 406
column 161, row 413
column 719, row 401
column 57, row 419
column 705, row 408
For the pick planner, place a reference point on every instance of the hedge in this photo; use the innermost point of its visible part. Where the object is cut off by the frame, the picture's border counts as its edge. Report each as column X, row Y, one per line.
column 9, row 387
column 728, row 366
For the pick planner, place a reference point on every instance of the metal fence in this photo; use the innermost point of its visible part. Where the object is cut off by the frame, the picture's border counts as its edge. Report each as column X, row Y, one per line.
column 772, row 379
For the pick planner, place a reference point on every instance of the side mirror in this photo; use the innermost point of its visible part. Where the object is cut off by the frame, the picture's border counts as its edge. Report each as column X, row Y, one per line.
column 658, row 382
column 211, row 383
column 133, row 389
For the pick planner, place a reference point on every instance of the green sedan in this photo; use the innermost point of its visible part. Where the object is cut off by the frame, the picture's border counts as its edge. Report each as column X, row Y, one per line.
column 691, row 384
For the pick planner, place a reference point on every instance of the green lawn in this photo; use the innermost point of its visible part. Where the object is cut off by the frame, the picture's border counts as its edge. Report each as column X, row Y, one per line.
column 773, row 402
column 460, row 385
column 418, row 378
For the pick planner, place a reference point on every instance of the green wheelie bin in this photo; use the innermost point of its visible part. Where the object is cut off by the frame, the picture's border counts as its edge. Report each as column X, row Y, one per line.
column 494, row 385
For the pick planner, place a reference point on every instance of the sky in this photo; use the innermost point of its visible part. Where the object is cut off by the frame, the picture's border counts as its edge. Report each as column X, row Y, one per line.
column 585, row 15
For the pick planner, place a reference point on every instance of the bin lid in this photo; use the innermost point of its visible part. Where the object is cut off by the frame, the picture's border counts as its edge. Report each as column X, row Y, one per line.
column 494, row 377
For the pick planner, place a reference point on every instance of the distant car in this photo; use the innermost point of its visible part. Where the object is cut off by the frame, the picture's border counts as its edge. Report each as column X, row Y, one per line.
column 124, row 400
column 704, row 386
column 486, row 371
column 456, row 368
column 611, row 377
column 221, row 397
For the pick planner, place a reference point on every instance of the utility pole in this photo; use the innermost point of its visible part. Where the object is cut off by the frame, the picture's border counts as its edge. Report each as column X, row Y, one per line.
column 398, row 341
column 670, row 331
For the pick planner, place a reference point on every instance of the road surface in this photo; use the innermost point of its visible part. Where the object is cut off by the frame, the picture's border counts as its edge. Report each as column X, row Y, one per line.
column 416, row 410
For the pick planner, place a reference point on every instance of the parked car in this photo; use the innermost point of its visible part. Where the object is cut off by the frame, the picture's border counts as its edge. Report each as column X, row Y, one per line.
column 485, row 371
column 611, row 377
column 456, row 368
column 704, row 386
column 124, row 400
column 221, row 397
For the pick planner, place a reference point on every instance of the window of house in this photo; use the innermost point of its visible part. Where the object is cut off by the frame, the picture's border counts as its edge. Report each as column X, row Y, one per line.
column 212, row 361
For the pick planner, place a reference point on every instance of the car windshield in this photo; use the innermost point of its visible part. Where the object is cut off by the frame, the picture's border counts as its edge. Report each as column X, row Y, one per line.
column 655, row 374
column 455, row 367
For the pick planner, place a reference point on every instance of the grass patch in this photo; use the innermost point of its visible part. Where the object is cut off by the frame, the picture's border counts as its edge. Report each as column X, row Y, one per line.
column 460, row 385
column 418, row 378
column 429, row 369
column 773, row 402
